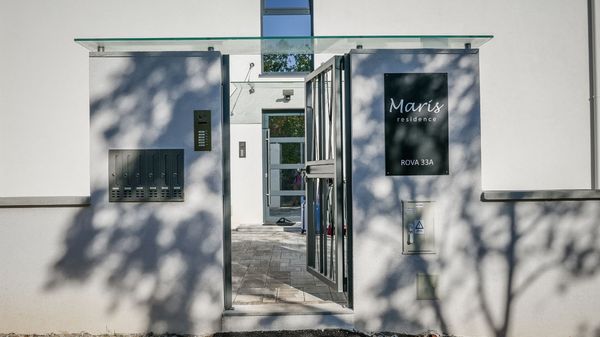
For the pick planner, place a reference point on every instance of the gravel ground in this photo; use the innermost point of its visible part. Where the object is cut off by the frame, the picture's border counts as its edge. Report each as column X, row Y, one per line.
column 286, row 333
column 308, row 333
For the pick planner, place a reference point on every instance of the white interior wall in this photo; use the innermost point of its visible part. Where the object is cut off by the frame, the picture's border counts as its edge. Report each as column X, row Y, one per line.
column 246, row 175
column 246, row 124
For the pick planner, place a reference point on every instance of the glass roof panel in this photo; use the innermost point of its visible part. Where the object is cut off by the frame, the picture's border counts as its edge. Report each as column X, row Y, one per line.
column 248, row 45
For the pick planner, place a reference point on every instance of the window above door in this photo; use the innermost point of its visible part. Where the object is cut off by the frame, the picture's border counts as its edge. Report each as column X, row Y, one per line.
column 286, row 18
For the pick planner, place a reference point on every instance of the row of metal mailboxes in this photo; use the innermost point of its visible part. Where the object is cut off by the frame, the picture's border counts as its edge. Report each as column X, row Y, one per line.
column 146, row 175
column 152, row 193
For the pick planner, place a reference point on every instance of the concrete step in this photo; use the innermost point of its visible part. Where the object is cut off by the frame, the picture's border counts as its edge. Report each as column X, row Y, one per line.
column 267, row 228
column 287, row 317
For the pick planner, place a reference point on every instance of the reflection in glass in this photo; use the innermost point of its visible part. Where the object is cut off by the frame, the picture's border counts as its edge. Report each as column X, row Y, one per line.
column 286, row 25
column 286, row 4
column 291, row 153
column 290, row 201
column 287, row 180
column 286, row 126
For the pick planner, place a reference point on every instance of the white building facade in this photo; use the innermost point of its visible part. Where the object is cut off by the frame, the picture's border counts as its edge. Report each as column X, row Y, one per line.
column 516, row 230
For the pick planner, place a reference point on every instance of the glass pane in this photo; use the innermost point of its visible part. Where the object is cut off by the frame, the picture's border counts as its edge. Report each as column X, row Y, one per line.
column 286, row 180
column 286, row 4
column 291, row 153
column 287, row 62
column 286, row 25
column 255, row 45
column 290, row 201
column 286, row 126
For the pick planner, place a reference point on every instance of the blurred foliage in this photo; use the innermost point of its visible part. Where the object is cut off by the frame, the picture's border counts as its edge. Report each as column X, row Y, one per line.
column 290, row 153
column 286, row 126
column 280, row 63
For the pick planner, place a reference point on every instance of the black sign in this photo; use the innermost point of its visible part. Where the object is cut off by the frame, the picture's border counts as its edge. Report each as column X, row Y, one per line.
column 416, row 124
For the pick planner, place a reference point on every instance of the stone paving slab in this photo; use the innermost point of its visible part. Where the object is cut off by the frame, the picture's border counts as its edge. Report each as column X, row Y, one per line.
column 270, row 268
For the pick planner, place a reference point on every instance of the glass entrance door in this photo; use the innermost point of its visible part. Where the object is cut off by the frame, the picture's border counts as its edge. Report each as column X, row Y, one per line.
column 329, row 239
column 283, row 161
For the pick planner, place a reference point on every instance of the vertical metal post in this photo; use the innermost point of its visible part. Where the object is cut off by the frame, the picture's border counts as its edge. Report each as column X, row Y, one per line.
column 593, row 85
column 310, row 190
column 225, row 151
column 265, row 169
column 336, row 79
column 321, row 186
column 347, row 135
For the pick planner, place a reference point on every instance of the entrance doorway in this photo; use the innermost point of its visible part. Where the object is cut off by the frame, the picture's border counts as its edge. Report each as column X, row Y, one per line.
column 304, row 154
column 283, row 161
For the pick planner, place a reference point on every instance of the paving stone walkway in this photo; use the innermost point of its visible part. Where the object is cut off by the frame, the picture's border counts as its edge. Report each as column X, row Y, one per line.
column 269, row 266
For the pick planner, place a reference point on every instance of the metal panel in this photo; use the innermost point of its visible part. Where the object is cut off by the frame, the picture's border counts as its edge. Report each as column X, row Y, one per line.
column 593, row 88
column 548, row 195
column 66, row 201
column 202, row 130
column 326, row 195
column 286, row 166
column 225, row 140
column 347, row 174
column 286, row 139
column 242, row 150
column 418, row 221
column 146, row 175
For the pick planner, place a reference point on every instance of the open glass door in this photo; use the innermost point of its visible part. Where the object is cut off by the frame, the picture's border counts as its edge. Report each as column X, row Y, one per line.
column 327, row 204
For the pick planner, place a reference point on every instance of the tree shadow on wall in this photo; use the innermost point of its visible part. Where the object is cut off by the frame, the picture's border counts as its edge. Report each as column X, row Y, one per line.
column 489, row 255
column 161, row 258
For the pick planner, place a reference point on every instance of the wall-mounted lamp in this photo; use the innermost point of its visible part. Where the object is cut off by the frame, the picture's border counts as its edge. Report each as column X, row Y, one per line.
column 287, row 94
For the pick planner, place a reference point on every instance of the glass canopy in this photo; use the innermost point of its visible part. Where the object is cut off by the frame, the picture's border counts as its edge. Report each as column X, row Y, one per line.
column 283, row 45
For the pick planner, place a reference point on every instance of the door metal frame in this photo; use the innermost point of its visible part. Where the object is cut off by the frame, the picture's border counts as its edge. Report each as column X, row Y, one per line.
column 347, row 141
column 225, row 133
column 267, row 193
column 324, row 166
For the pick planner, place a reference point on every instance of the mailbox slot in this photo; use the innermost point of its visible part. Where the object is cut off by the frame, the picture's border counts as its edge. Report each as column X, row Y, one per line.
column 145, row 175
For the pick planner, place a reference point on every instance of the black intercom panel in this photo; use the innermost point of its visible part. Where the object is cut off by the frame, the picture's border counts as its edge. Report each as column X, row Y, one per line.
column 145, row 175
column 202, row 130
